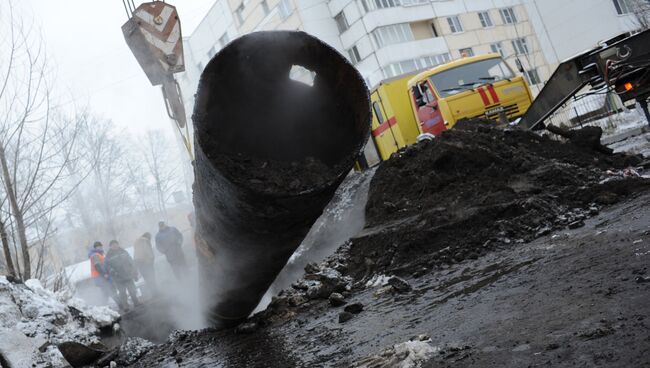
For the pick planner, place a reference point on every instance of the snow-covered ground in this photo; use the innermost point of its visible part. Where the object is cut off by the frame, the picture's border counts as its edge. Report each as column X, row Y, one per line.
column 33, row 320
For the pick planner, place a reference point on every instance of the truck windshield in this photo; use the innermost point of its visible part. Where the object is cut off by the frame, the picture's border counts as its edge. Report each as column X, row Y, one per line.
column 468, row 76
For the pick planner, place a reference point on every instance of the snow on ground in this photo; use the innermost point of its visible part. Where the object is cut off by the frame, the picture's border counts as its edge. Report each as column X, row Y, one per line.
column 49, row 318
column 377, row 280
column 408, row 354
column 639, row 144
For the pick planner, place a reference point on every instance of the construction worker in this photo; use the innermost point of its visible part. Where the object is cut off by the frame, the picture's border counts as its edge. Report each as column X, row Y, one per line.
column 169, row 241
column 98, row 272
column 119, row 265
column 143, row 257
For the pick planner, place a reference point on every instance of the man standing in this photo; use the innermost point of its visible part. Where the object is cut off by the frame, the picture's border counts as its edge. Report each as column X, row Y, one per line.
column 169, row 241
column 120, row 266
column 98, row 272
column 144, row 260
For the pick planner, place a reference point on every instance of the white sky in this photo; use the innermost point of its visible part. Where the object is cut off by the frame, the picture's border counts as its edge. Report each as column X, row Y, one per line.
column 94, row 66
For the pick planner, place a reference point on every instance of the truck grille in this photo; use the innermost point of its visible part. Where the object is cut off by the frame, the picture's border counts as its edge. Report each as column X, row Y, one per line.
column 512, row 111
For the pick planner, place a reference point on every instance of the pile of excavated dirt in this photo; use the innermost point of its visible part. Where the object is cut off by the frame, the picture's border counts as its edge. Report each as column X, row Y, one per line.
column 477, row 187
column 273, row 176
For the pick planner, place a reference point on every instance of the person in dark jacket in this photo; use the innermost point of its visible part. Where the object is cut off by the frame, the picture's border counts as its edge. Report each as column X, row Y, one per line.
column 119, row 265
column 144, row 260
column 169, row 241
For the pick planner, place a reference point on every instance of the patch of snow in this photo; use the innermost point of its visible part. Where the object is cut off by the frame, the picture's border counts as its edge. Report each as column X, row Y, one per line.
column 378, row 280
column 409, row 354
column 42, row 315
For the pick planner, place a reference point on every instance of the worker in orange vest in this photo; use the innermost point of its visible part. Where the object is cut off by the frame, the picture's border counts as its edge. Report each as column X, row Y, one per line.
column 98, row 273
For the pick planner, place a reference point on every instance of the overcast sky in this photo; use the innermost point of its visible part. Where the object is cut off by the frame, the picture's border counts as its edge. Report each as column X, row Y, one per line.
column 94, row 67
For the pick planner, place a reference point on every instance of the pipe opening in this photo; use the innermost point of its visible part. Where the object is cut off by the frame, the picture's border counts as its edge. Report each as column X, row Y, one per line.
column 281, row 113
column 301, row 74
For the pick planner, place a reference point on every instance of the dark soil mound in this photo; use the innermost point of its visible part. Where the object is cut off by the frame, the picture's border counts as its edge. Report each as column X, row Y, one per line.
column 476, row 187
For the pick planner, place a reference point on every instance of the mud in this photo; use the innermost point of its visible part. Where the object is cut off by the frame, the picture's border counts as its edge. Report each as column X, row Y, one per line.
column 483, row 248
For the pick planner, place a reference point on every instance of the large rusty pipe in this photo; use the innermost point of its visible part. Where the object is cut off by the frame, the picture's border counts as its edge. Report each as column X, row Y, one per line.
column 270, row 152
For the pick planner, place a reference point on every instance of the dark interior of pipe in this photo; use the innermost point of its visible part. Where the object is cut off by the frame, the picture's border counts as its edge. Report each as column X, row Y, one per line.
column 249, row 105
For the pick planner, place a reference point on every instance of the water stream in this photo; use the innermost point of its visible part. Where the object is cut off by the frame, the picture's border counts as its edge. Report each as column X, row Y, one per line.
column 343, row 218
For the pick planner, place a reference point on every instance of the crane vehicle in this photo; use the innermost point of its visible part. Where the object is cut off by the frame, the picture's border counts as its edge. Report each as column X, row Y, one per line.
column 620, row 65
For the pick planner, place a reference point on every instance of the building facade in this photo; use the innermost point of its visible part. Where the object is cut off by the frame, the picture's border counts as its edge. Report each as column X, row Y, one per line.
column 385, row 38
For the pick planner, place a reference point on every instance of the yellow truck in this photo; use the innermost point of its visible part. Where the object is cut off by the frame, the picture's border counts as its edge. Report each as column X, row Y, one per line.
column 393, row 122
column 434, row 100
column 481, row 86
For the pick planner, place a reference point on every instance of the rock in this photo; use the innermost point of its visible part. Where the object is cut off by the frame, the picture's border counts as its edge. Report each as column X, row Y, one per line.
column 79, row 355
column 319, row 291
column 296, row 300
column 642, row 279
column 246, row 328
column 311, row 268
column 354, row 308
column 593, row 211
column 345, row 316
column 543, row 231
column 399, row 284
column 15, row 347
column 336, row 300
column 552, row 346
column 576, row 224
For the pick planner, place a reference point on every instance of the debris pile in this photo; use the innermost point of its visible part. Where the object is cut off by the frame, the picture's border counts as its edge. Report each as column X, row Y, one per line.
column 36, row 320
column 476, row 188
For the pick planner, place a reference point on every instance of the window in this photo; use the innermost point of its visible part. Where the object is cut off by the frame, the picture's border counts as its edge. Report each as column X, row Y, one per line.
column 435, row 31
column 521, row 46
column 265, row 7
column 433, row 60
column 366, row 8
column 467, row 76
column 354, row 54
column 212, row 51
column 508, row 16
column 497, row 48
column 454, row 24
column 285, row 9
column 239, row 13
column 223, row 40
column 631, row 6
column 532, row 76
column 622, row 7
column 341, row 22
column 485, row 19
column 369, row 5
column 466, row 52
column 200, row 66
column 412, row 65
column 396, row 33
column 377, row 110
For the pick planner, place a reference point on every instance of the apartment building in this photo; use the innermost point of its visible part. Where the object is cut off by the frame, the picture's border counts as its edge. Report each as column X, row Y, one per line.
column 385, row 38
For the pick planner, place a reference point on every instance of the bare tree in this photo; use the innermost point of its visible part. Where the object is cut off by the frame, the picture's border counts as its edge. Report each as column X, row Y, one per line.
column 163, row 167
column 33, row 149
column 107, row 194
